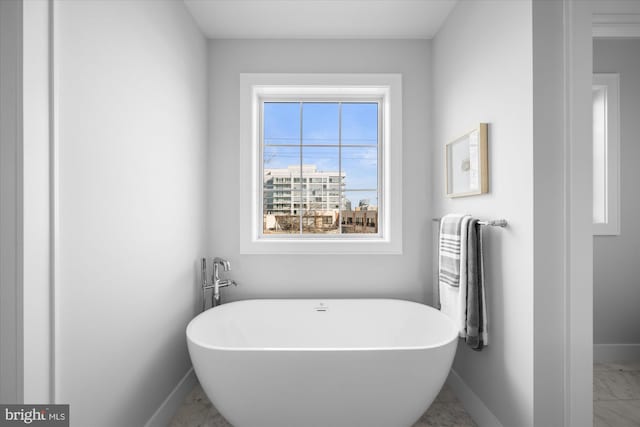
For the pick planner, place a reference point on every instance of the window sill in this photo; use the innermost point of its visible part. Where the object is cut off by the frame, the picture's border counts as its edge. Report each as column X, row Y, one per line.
column 321, row 246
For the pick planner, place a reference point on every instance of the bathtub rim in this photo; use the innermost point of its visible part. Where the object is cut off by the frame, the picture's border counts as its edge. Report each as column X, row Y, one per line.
column 440, row 344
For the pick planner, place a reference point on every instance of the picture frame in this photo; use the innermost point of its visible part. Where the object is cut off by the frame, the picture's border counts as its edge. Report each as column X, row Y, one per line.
column 466, row 164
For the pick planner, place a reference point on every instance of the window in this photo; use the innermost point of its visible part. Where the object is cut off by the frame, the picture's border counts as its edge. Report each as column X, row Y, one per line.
column 332, row 147
column 606, row 162
column 320, row 166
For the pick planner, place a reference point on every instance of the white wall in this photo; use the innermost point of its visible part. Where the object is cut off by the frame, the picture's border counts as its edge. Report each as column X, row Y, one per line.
column 616, row 268
column 132, row 98
column 548, row 193
column 562, row 260
column 614, row 7
column 399, row 276
column 482, row 62
column 11, row 235
column 36, row 271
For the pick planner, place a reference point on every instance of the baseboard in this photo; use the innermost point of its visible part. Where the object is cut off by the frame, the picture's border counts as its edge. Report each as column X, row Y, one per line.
column 615, row 352
column 471, row 402
column 163, row 415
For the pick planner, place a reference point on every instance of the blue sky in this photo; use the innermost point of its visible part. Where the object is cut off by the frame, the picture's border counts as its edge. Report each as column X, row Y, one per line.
column 320, row 126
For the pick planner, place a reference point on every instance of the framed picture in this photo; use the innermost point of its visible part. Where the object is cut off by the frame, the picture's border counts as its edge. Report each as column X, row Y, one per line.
column 466, row 163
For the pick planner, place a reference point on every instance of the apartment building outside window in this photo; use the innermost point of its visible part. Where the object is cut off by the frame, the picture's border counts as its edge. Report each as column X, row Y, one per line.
column 319, row 159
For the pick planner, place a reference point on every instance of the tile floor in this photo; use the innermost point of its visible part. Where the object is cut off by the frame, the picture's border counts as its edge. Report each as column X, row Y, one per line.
column 616, row 394
column 197, row 411
column 616, row 403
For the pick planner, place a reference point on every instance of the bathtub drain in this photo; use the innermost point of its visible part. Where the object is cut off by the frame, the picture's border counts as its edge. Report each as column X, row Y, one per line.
column 321, row 307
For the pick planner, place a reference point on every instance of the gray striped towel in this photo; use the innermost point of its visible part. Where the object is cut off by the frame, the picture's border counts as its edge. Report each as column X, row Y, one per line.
column 449, row 249
column 461, row 277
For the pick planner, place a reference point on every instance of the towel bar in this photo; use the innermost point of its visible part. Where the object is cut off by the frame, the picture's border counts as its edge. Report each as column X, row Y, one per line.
column 493, row 223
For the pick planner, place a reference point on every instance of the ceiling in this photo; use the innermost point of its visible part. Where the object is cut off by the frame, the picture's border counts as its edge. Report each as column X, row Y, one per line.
column 320, row 19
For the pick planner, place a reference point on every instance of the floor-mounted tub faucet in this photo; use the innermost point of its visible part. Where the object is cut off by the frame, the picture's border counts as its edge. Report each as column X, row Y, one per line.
column 217, row 282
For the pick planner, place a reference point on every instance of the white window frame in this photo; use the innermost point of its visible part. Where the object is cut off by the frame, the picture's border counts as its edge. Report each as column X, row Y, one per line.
column 387, row 89
column 609, row 83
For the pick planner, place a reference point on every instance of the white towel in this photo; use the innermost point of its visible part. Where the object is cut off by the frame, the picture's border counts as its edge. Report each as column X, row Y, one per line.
column 453, row 297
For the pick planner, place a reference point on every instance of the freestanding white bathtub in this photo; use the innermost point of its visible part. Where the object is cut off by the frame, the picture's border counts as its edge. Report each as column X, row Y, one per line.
column 322, row 363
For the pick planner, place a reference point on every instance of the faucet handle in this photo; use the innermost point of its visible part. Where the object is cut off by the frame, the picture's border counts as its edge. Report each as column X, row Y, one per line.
column 226, row 265
column 226, row 282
